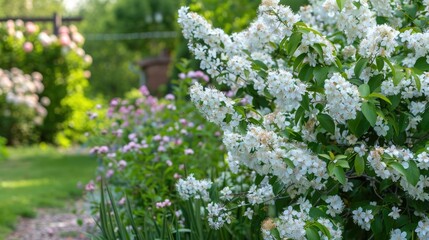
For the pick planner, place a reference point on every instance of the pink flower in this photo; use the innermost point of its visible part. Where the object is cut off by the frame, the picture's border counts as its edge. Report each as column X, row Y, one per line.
column 169, row 96
column 90, row 187
column 157, row 138
column 169, row 163
column 65, row 40
column 109, row 173
column 122, row 164
column 161, row 148
column 143, row 89
column 63, row 30
column 30, row 27
column 178, row 141
column 182, row 76
column 177, row 176
column 28, row 47
column 122, row 201
column 165, row 203
column 189, row 151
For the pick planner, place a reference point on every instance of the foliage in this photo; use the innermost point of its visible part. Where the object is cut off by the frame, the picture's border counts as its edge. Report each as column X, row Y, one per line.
column 30, row 8
column 329, row 113
column 37, row 177
column 62, row 62
column 145, row 144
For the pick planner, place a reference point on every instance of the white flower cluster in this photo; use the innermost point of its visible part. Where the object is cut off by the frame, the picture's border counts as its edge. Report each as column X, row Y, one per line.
column 417, row 42
column 379, row 41
column 355, row 21
column 215, row 106
column 217, row 215
column 397, row 234
column 192, row 188
column 422, row 229
column 286, row 90
column 363, row 218
column 342, row 98
column 263, row 194
column 291, row 223
column 224, row 54
column 336, row 205
column 268, row 154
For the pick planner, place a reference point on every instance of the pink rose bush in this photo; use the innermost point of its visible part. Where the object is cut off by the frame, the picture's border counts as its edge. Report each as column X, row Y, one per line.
column 20, row 106
column 63, row 63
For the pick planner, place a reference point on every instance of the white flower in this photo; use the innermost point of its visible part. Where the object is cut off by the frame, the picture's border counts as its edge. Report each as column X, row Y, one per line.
column 192, row 188
column 395, row 213
column 422, row 229
column 363, row 218
column 217, row 215
column 396, row 234
column 343, row 100
column 248, row 213
column 336, row 205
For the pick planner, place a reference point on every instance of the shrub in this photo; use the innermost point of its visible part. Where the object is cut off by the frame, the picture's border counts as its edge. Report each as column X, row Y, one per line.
column 21, row 110
column 335, row 126
column 62, row 63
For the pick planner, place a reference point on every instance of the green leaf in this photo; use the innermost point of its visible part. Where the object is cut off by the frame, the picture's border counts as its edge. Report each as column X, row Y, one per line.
column 381, row 96
column 318, row 49
column 380, row 63
column 370, row 112
column 316, row 213
column 257, row 65
column 417, row 81
column 360, row 66
column 424, row 124
column 340, row 4
column 359, row 165
column 342, row 164
column 327, row 123
column 306, row 73
column 375, row 82
column 364, row 90
column 320, row 74
column 340, row 175
column 358, row 126
column 293, row 44
column 412, row 173
column 323, row 229
column 312, row 234
column 298, row 61
column 397, row 78
column 421, row 64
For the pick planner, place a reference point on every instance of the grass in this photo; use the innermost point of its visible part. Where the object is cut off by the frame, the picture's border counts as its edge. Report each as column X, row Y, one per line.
column 34, row 177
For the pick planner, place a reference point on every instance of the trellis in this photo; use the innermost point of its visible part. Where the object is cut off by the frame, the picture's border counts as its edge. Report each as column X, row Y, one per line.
column 56, row 20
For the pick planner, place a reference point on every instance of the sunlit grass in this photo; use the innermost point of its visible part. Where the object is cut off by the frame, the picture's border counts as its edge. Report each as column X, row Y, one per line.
column 39, row 177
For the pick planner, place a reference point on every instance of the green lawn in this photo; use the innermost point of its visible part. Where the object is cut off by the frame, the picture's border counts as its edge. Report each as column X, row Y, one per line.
column 35, row 177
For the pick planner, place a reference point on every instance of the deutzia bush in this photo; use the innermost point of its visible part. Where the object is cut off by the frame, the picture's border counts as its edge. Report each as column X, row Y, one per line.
column 329, row 113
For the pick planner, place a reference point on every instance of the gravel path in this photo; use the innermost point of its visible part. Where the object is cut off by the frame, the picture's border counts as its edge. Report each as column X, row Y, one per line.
column 56, row 224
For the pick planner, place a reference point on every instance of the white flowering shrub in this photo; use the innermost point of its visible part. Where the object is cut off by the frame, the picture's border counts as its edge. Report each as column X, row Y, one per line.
column 330, row 114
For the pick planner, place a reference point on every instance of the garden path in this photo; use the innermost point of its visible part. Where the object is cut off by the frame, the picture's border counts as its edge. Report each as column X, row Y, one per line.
column 56, row 224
